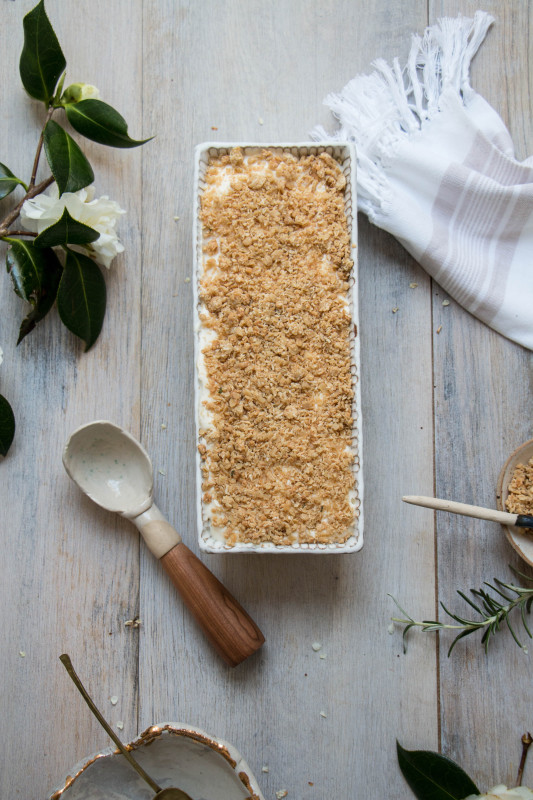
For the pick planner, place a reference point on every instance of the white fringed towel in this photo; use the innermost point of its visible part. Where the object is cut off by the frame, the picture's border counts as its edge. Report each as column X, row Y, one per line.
column 436, row 168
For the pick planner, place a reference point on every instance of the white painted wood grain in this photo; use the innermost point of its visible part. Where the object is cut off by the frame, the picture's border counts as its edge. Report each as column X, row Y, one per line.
column 69, row 571
column 438, row 411
column 483, row 411
column 220, row 73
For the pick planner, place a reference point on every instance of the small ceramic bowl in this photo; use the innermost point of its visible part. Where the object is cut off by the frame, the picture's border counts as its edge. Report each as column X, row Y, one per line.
column 520, row 540
column 173, row 755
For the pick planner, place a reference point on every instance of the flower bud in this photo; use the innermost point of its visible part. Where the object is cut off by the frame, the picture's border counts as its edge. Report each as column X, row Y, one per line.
column 79, row 91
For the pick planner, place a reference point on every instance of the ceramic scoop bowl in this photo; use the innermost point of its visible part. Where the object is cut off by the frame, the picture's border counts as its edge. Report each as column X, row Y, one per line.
column 173, row 754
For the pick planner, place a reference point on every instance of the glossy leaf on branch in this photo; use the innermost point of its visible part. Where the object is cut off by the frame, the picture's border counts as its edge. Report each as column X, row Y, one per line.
column 42, row 61
column 81, row 297
column 27, row 266
column 8, row 181
column 66, row 230
column 69, row 165
column 35, row 273
column 100, row 122
column 432, row 776
column 7, row 426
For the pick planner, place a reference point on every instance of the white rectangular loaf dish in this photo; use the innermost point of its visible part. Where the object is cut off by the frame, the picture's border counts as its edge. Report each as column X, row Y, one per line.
column 210, row 539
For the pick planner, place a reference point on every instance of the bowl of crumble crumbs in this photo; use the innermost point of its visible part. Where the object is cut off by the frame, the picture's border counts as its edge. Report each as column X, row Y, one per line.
column 515, row 494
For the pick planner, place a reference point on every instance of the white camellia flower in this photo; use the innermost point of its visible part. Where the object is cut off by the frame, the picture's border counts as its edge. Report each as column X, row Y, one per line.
column 99, row 213
column 501, row 792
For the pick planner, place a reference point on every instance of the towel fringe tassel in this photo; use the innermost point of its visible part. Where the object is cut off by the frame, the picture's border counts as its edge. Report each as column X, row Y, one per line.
column 379, row 111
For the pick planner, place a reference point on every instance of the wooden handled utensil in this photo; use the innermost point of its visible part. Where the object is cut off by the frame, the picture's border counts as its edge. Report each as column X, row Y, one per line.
column 115, row 471
column 503, row 517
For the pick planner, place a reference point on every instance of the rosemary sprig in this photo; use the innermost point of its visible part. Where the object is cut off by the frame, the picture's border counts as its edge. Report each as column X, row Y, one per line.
column 491, row 610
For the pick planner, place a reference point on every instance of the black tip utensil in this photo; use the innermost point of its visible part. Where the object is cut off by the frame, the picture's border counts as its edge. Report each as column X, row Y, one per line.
column 503, row 517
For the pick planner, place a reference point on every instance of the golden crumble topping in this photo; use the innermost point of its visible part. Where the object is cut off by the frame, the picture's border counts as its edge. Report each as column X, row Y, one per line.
column 520, row 497
column 277, row 450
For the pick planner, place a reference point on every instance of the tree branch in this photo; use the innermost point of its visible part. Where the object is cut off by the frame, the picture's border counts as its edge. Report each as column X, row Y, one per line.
column 20, row 233
column 32, row 192
column 40, row 147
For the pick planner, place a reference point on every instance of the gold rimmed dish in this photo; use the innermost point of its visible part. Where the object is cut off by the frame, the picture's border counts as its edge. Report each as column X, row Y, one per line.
column 175, row 755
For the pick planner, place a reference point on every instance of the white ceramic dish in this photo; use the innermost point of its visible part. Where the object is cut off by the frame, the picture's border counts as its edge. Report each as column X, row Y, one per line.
column 173, row 755
column 520, row 539
column 345, row 155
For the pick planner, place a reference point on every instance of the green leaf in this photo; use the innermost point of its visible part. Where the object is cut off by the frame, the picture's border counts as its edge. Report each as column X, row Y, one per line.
column 66, row 230
column 8, row 181
column 101, row 123
column 42, row 60
column 7, row 426
column 81, row 298
column 27, row 266
column 434, row 777
column 69, row 166
column 44, row 298
column 35, row 273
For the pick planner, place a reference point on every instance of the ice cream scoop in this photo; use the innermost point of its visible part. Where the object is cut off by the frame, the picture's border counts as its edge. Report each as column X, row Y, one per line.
column 114, row 470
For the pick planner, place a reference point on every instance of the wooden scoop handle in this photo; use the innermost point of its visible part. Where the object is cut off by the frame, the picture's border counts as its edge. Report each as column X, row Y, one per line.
column 231, row 631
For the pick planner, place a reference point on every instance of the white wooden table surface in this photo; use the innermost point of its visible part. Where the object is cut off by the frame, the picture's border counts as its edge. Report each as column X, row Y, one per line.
column 440, row 414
